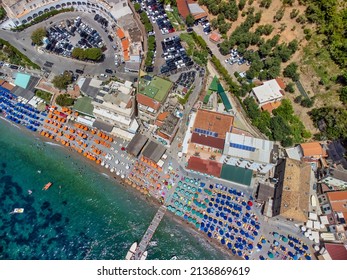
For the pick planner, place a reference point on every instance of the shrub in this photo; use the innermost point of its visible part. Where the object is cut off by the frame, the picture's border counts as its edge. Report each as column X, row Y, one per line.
column 65, row 100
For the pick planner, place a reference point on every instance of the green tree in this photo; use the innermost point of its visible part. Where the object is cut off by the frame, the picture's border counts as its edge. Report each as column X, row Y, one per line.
column 307, row 102
column 290, row 88
column 294, row 13
column 2, row 13
column 190, row 20
column 252, row 108
column 288, row 2
column 279, row 15
column 265, row 3
column 65, row 100
column 291, row 71
column 38, row 35
column 343, row 95
column 62, row 81
column 137, row 7
column 242, row 4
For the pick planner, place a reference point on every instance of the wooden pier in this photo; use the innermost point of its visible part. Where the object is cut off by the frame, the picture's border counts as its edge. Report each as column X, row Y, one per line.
column 141, row 248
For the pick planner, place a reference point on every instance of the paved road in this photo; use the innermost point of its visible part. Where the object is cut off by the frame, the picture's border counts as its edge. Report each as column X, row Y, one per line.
column 21, row 40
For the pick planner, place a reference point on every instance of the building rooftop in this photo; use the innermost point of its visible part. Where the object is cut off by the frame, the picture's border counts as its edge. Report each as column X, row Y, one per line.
column 210, row 141
column 236, row 174
column 169, row 125
column 154, row 151
column 212, row 124
column 196, row 11
column 22, row 80
column 270, row 90
column 312, row 149
column 84, row 106
column 271, row 106
column 265, row 191
column 336, row 152
column 296, row 190
column 183, row 9
column 215, row 37
column 157, row 88
column 338, row 202
column 147, row 101
column 103, row 126
column 250, row 148
column 136, row 144
column 90, row 86
column 336, row 251
column 205, row 166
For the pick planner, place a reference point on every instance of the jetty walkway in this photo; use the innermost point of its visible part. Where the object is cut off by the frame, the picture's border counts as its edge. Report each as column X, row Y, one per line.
column 141, row 248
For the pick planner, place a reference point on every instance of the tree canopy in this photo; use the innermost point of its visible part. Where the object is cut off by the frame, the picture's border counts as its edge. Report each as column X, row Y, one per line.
column 62, row 81
column 38, row 35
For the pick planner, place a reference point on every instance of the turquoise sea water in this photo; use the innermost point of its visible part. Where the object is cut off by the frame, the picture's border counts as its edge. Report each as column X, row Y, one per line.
column 89, row 217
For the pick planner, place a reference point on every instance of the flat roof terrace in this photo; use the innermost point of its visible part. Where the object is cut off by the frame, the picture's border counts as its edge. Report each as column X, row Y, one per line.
column 156, row 88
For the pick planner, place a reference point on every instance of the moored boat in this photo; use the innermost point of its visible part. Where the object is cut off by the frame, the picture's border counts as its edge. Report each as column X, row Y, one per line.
column 144, row 255
column 131, row 252
column 17, row 211
column 47, row 186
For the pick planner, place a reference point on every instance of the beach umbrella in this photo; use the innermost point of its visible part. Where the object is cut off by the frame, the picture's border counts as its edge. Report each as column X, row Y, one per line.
column 290, row 254
column 244, row 220
column 242, row 232
column 261, row 257
column 248, row 207
column 234, row 251
column 219, row 195
column 215, row 221
column 252, row 222
column 308, row 257
column 246, row 257
column 236, row 230
column 232, row 237
column 259, row 246
column 217, row 214
column 295, row 257
column 206, row 229
column 217, row 200
column 208, row 210
column 275, row 234
column 263, row 241
column 283, row 248
column 212, row 227
column 271, row 255
column 237, row 245
column 211, row 187
column 296, row 240
column 215, row 205
column 276, row 243
column 255, row 233
column 243, row 203
column 285, row 239
column 222, row 241
column 239, row 239
column 229, row 245
column 210, row 219
column 228, row 197
column 291, row 244
column 257, row 226
column 238, row 223
column 250, row 246
column 221, row 232
column 230, row 220
column 246, row 234
column 241, row 247
column 305, row 246
column 239, row 253
column 221, row 223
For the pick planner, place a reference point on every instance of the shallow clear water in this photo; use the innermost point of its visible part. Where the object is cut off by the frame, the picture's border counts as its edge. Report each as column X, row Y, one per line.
column 84, row 215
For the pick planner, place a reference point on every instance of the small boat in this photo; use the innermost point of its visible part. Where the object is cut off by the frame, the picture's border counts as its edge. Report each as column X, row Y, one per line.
column 174, row 258
column 144, row 256
column 17, row 211
column 47, row 186
column 153, row 243
column 30, row 191
column 131, row 252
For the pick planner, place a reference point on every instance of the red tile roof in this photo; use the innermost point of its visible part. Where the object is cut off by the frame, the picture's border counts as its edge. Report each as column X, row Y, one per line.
column 210, row 141
column 205, row 166
column 147, row 101
column 336, row 251
column 281, row 83
column 120, row 33
column 338, row 200
column 271, row 106
column 215, row 37
column 213, row 121
column 312, row 149
column 182, row 7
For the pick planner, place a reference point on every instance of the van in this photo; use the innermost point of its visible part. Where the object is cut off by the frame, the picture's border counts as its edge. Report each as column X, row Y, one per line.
column 103, row 75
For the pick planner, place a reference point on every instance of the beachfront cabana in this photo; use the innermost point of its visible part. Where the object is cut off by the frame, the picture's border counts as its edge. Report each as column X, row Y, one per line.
column 136, row 144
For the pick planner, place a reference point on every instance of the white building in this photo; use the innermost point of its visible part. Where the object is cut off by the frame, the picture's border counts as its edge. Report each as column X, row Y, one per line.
column 114, row 105
column 269, row 91
column 24, row 11
column 248, row 152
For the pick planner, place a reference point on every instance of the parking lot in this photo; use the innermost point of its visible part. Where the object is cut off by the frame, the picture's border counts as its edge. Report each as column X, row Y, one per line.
column 70, row 34
column 175, row 55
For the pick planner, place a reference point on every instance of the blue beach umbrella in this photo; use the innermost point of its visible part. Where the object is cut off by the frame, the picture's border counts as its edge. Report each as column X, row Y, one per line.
column 217, row 200
column 205, row 216
column 247, row 234
column 291, row 244
column 234, row 251
column 242, row 232
column 209, row 210
column 255, row 233
column 212, row 227
column 220, row 222
column 248, row 207
column 250, row 246
column 244, row 220
column 263, row 241
column 227, row 234
column 215, row 221
column 261, row 257
column 239, row 253
column 246, row 257
column 305, row 247
column 236, row 230
column 215, row 205
column 308, row 257
column 229, row 245
column 257, row 226
column 259, row 246
column 217, row 214
column 295, row 257
column 232, row 237
column 290, row 254
column 222, row 241
column 210, row 219
column 219, row 195
column 230, row 220
column 225, row 218
column 221, row 232
column 238, row 223
column 209, row 234
column 202, row 224
column 239, row 239
column 252, row 222
column 236, row 245
column 228, row 197
column 206, row 229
